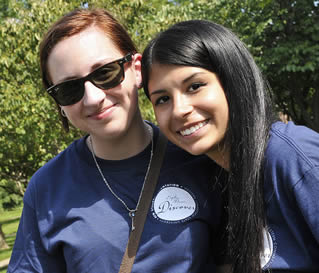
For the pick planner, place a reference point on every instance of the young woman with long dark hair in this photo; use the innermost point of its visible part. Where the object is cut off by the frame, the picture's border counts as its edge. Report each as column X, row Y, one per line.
column 209, row 97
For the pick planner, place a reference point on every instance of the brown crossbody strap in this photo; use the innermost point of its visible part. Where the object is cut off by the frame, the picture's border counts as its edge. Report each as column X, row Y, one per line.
column 141, row 213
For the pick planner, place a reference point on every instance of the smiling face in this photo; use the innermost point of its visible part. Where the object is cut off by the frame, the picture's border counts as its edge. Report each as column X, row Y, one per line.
column 101, row 113
column 190, row 107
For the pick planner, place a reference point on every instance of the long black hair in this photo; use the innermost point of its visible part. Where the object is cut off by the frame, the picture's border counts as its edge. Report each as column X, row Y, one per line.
column 213, row 47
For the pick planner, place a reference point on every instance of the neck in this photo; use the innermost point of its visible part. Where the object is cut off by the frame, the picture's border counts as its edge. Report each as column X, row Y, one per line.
column 131, row 142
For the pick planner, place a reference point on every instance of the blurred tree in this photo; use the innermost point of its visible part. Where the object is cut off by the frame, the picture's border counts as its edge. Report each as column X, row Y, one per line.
column 30, row 132
column 290, row 58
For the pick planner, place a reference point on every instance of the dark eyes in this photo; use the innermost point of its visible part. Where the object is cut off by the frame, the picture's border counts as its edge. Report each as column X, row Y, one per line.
column 161, row 100
column 195, row 86
column 192, row 88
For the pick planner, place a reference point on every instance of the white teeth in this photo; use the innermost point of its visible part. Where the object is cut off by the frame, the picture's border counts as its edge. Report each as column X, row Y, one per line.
column 193, row 129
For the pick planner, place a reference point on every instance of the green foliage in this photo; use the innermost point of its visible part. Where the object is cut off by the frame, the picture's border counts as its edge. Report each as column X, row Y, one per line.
column 30, row 132
column 282, row 35
column 291, row 59
column 9, row 198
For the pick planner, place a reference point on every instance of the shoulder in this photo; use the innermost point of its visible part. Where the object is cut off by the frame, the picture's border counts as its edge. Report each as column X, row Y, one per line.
column 49, row 178
column 292, row 131
column 63, row 160
column 292, row 153
column 289, row 141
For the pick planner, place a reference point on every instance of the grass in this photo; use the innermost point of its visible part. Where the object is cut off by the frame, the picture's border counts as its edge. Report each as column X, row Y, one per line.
column 10, row 221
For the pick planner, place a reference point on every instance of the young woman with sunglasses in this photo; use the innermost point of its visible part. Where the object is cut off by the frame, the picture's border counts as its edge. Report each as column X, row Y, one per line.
column 79, row 207
column 209, row 97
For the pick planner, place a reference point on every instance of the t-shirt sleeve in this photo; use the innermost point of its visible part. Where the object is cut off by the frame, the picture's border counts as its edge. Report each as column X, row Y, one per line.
column 307, row 193
column 29, row 254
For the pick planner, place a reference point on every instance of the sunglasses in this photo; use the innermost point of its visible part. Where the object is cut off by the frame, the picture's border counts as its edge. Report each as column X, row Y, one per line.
column 104, row 77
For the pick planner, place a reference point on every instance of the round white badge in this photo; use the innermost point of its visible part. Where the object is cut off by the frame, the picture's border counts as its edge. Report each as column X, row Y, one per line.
column 174, row 204
column 269, row 248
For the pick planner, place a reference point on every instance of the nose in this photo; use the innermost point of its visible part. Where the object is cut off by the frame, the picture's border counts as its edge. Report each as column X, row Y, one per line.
column 182, row 106
column 92, row 94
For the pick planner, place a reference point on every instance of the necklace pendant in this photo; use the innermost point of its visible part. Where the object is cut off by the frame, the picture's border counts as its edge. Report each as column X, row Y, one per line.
column 132, row 215
column 132, row 212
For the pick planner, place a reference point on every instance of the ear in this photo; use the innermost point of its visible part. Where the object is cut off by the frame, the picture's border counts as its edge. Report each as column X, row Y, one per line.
column 137, row 67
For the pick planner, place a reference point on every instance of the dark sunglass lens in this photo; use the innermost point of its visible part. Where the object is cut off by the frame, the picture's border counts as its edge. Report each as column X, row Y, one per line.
column 69, row 92
column 108, row 76
column 105, row 77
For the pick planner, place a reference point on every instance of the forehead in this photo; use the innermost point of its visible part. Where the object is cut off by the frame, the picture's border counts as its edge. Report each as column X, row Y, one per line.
column 77, row 55
column 168, row 75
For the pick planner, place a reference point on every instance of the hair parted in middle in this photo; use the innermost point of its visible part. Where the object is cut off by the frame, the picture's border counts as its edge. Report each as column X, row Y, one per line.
column 204, row 44
column 75, row 22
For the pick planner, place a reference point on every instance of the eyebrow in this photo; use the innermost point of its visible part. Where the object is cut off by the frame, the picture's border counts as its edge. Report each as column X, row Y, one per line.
column 183, row 82
column 192, row 76
column 157, row 92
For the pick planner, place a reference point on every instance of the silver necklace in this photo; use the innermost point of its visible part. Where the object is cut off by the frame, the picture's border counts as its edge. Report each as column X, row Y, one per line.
column 131, row 212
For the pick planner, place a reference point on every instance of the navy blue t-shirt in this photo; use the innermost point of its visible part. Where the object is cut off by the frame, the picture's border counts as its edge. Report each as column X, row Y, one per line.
column 72, row 223
column 291, row 193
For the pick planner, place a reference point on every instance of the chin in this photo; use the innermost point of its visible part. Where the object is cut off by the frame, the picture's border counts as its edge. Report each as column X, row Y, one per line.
column 194, row 151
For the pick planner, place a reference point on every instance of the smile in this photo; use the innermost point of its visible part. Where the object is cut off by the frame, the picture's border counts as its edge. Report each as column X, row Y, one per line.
column 193, row 129
column 103, row 113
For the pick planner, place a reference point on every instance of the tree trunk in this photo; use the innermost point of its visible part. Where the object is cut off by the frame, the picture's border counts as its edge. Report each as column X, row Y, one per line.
column 3, row 244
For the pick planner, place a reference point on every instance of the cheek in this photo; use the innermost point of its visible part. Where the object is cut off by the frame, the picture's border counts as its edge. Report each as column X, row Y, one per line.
column 224, row 110
column 128, row 93
column 216, row 103
column 158, row 116
column 162, row 120
column 71, row 110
